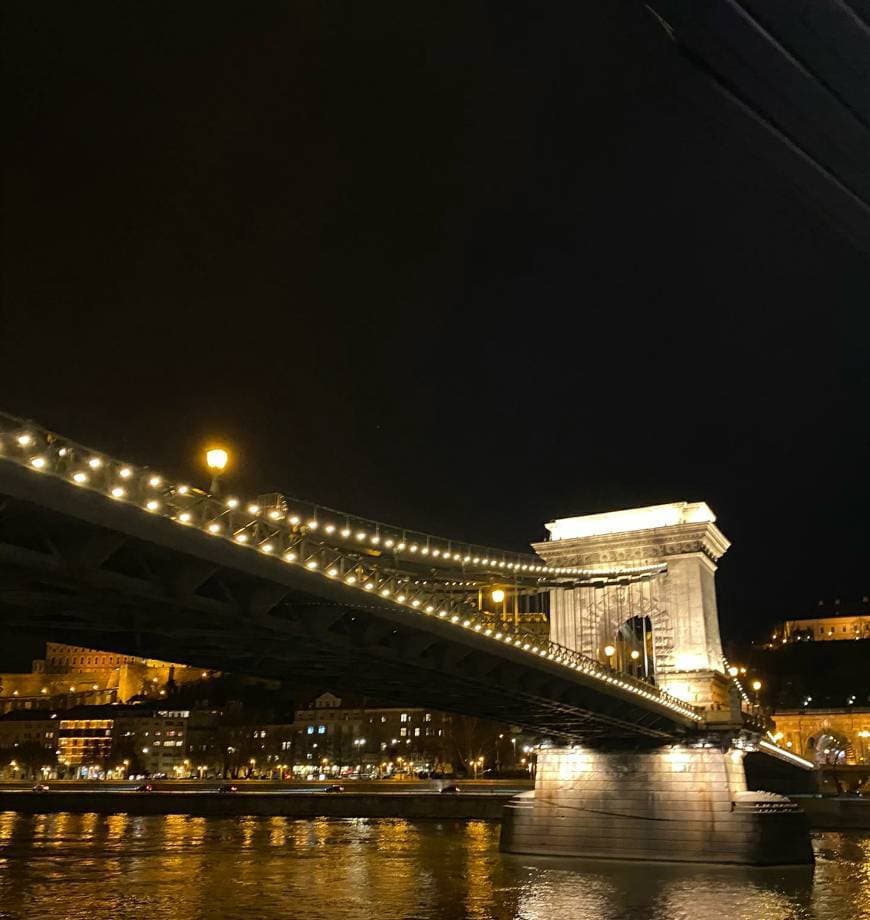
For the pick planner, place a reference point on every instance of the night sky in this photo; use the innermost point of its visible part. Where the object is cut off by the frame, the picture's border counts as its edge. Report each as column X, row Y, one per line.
column 465, row 267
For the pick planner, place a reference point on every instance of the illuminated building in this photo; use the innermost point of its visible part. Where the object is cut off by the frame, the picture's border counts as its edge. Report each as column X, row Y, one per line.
column 826, row 736
column 831, row 623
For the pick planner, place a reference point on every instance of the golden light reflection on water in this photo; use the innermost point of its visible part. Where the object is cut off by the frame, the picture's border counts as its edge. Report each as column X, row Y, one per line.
column 89, row 867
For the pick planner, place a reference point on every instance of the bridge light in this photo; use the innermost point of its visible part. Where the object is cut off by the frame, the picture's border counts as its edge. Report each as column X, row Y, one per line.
column 24, row 440
column 80, row 477
column 400, row 548
column 369, row 586
column 756, row 685
column 118, row 492
column 361, row 535
column 154, row 481
column 312, row 524
column 183, row 490
column 311, row 564
column 184, row 517
column 351, row 579
column 253, row 509
column 497, row 596
column 241, row 538
column 37, row 462
column 216, row 458
column 125, row 472
column 214, row 527
column 345, row 532
column 733, row 671
column 152, row 505
column 330, row 528
column 635, row 654
column 267, row 547
column 95, row 463
column 290, row 556
column 609, row 651
column 332, row 572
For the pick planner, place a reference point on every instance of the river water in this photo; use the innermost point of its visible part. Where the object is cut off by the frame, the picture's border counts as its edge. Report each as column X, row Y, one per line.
column 95, row 867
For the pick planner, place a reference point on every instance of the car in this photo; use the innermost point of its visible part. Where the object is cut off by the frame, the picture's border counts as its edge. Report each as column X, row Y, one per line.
column 451, row 789
column 40, row 787
column 228, row 787
column 145, row 787
column 334, row 788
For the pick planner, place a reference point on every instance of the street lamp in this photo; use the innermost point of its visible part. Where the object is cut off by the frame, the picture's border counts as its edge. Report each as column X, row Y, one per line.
column 497, row 596
column 216, row 459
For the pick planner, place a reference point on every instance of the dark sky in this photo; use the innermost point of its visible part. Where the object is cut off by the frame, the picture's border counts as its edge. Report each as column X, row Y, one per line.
column 466, row 267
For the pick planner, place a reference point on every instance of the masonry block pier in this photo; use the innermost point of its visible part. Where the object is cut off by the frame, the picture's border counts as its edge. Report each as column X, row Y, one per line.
column 667, row 803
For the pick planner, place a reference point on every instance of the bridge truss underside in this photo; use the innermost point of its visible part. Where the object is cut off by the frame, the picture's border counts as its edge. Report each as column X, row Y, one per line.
column 75, row 567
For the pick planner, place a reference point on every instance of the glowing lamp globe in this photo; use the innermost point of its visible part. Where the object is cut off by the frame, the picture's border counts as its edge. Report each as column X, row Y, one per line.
column 609, row 651
column 216, row 459
column 498, row 595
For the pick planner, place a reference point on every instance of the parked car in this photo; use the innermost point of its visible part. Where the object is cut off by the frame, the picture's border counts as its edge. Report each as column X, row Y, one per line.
column 40, row 787
column 228, row 787
column 334, row 788
column 452, row 788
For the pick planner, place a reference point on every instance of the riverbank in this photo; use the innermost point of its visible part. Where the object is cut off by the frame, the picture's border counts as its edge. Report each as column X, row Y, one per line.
column 276, row 803
column 400, row 800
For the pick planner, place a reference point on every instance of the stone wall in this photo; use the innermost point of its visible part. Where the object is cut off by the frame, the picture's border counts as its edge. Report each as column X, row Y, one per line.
column 670, row 803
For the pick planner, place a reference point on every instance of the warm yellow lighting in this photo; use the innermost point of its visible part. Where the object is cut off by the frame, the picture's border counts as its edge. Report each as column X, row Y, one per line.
column 756, row 685
column 216, row 458
column 118, row 492
column 609, row 651
column 125, row 472
column 635, row 654
column 38, row 462
column 497, row 596
column 95, row 463
column 152, row 505
column 733, row 671
column 80, row 477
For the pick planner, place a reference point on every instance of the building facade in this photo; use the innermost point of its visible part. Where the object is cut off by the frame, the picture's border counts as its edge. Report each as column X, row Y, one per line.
column 832, row 736
column 831, row 623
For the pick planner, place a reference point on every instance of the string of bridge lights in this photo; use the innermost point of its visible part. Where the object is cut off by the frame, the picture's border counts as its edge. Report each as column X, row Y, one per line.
column 284, row 536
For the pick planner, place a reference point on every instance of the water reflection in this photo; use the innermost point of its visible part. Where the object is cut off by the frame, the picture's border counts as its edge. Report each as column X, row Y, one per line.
column 90, row 867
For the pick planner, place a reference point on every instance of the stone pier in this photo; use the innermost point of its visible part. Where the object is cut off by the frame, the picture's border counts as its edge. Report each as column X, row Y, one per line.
column 669, row 803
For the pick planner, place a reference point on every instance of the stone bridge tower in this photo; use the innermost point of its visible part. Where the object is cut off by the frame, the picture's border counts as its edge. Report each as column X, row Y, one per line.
column 679, row 605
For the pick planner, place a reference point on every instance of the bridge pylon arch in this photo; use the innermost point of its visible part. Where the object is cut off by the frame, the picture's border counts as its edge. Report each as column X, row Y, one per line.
column 680, row 603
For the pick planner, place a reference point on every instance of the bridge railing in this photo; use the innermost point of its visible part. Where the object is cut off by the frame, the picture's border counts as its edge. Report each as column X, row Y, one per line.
column 272, row 531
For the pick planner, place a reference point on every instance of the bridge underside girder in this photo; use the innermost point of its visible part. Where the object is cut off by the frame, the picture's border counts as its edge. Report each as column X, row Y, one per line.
column 78, row 569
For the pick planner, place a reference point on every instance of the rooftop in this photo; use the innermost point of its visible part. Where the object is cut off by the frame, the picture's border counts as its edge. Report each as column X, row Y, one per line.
column 631, row 519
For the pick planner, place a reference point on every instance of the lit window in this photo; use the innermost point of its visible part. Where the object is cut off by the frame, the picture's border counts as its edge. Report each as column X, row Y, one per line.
column 403, row 717
column 321, row 729
column 427, row 717
column 310, row 729
column 383, row 718
column 403, row 732
column 416, row 732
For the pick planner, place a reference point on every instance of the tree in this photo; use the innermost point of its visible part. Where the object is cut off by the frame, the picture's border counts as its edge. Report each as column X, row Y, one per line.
column 473, row 739
column 32, row 757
